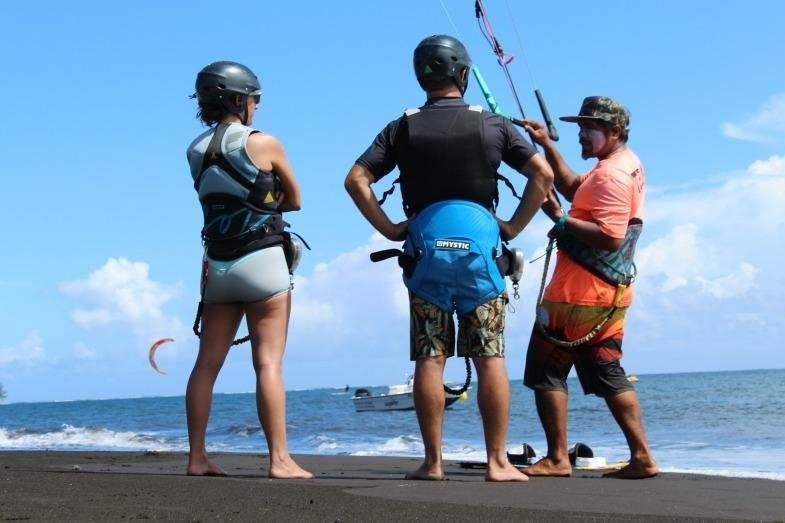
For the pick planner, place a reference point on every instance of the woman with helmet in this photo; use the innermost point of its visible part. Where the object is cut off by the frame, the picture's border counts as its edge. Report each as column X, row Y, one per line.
column 244, row 182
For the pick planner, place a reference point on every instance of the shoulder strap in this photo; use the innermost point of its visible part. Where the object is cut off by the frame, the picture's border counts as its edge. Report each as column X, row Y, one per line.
column 214, row 156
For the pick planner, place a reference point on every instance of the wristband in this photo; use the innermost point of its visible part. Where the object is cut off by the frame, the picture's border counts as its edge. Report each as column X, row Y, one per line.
column 561, row 224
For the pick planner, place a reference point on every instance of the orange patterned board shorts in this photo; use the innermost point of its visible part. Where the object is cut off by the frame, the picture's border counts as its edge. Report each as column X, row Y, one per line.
column 596, row 362
column 480, row 332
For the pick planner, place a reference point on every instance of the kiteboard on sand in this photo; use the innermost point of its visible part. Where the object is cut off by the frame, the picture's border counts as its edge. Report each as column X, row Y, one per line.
column 601, row 465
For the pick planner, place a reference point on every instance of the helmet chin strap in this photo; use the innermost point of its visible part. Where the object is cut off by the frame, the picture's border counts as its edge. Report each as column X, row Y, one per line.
column 230, row 106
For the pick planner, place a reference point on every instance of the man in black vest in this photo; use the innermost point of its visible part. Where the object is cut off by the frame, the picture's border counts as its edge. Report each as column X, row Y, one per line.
column 448, row 154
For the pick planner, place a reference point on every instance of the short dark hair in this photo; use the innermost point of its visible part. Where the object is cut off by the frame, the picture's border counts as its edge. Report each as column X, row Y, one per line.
column 210, row 113
column 436, row 84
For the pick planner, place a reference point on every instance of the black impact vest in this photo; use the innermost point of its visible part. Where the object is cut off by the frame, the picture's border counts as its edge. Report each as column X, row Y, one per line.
column 442, row 157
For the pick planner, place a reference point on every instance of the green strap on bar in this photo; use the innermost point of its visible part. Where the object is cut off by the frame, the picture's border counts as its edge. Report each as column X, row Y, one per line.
column 491, row 101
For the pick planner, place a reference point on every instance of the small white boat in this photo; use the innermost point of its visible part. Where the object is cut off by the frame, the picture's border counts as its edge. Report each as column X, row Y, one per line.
column 397, row 397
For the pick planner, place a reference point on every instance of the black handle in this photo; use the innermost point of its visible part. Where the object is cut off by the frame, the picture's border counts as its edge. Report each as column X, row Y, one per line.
column 552, row 133
column 386, row 254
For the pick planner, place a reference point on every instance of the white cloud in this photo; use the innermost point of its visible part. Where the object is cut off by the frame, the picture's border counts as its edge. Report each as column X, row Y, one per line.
column 775, row 165
column 682, row 258
column 750, row 319
column 729, row 285
column 674, row 256
column 767, row 125
column 121, row 292
column 349, row 297
column 91, row 318
column 715, row 241
column 83, row 352
column 30, row 349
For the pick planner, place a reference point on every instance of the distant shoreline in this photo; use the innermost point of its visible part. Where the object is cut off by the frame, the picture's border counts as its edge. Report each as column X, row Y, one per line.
column 352, row 387
column 124, row 485
column 513, row 380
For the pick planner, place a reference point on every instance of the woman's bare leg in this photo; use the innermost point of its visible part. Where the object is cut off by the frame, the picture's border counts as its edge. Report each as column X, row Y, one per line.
column 268, row 322
column 219, row 326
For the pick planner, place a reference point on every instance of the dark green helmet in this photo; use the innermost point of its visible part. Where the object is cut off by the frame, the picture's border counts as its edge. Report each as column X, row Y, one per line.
column 439, row 57
column 219, row 82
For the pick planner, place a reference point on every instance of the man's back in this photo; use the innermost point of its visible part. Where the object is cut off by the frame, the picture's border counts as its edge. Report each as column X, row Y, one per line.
column 442, row 156
column 429, row 160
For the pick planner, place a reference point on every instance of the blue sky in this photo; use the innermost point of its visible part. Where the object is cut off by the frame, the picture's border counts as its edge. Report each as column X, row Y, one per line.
column 101, row 223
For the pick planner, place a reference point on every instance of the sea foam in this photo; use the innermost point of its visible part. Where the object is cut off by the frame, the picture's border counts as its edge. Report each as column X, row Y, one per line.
column 83, row 438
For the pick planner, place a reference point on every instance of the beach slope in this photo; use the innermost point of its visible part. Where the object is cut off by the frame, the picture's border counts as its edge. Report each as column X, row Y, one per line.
column 134, row 485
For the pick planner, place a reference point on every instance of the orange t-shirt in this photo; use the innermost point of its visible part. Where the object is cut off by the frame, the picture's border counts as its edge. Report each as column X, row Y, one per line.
column 610, row 195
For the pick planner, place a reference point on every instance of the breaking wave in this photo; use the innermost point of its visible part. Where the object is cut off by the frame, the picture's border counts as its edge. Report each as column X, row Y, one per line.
column 69, row 437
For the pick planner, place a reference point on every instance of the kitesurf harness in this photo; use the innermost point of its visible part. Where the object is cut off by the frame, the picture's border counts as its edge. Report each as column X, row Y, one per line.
column 614, row 267
column 454, row 244
column 240, row 206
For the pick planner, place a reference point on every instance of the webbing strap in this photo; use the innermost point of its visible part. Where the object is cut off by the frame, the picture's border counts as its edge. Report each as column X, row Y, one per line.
column 389, row 191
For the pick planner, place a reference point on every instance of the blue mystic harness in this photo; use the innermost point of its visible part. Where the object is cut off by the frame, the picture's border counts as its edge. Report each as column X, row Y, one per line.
column 454, row 244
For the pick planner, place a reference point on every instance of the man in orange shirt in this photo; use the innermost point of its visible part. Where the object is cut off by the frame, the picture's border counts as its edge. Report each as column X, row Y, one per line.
column 580, row 321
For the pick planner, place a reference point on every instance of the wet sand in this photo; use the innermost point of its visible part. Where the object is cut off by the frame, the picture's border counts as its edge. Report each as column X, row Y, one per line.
column 135, row 485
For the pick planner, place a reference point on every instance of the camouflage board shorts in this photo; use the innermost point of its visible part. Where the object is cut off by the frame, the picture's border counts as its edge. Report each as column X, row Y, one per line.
column 480, row 332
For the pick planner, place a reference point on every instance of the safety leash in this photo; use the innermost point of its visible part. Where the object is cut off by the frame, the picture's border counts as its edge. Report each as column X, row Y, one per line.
column 200, row 306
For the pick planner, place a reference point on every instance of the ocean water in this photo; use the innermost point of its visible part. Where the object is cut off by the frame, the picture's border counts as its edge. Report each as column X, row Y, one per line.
column 722, row 423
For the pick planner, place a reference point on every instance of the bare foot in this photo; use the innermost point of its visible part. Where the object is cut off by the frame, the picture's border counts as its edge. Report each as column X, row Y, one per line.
column 203, row 467
column 504, row 472
column 546, row 467
column 426, row 473
column 286, row 468
column 635, row 470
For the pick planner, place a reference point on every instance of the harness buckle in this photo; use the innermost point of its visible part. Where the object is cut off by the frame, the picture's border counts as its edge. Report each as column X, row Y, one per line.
column 511, row 263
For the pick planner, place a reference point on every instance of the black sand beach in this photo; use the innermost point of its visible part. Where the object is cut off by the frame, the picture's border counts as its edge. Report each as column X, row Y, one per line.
column 128, row 485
